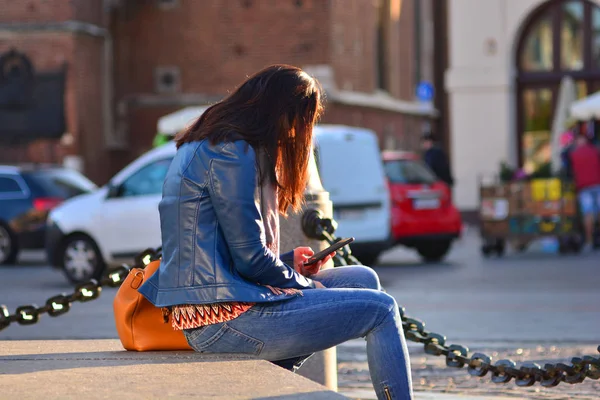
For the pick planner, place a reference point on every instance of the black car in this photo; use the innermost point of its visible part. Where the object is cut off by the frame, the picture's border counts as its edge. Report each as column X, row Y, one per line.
column 27, row 194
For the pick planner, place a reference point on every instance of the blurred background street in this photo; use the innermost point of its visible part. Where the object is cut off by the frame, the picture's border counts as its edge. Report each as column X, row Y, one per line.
column 457, row 139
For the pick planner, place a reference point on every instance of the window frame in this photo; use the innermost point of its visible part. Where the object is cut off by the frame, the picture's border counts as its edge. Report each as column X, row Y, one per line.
column 430, row 176
column 25, row 192
column 121, row 186
column 551, row 79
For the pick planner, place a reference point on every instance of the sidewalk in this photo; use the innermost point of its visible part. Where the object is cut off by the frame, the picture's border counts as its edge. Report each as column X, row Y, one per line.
column 100, row 369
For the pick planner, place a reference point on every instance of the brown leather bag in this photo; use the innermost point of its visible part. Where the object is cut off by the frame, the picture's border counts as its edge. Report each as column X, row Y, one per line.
column 140, row 324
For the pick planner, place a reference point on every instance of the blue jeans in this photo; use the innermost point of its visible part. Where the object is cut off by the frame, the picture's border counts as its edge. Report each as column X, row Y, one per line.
column 288, row 332
column 589, row 200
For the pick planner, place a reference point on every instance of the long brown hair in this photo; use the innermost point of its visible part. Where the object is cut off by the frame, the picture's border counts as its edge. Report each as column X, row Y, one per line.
column 274, row 110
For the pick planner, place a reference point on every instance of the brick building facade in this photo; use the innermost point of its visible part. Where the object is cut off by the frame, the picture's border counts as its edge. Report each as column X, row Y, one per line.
column 128, row 62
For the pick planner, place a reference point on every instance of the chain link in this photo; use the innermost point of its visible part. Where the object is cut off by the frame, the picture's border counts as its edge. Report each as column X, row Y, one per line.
column 478, row 364
column 84, row 292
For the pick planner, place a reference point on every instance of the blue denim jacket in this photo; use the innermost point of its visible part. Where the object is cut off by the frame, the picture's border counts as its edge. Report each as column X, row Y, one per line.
column 213, row 237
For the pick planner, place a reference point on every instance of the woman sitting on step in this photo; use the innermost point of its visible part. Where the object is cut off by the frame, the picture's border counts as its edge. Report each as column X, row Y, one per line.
column 222, row 278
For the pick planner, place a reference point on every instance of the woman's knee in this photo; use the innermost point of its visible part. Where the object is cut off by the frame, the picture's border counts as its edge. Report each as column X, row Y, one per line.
column 389, row 301
column 382, row 308
column 355, row 276
column 381, row 303
column 367, row 277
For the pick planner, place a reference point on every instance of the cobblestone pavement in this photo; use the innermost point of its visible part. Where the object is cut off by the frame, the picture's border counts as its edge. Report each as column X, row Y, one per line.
column 430, row 373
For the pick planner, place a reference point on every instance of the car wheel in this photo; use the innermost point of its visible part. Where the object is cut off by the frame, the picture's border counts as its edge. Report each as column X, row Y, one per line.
column 8, row 246
column 434, row 251
column 80, row 259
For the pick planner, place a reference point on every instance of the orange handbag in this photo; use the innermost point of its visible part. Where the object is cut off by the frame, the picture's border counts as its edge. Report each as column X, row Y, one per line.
column 140, row 325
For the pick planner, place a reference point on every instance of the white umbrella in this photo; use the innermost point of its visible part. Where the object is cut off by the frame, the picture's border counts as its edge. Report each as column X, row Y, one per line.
column 587, row 108
column 173, row 123
column 567, row 94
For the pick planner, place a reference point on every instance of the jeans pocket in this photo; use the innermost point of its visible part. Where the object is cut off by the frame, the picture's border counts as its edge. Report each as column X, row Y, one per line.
column 192, row 335
column 221, row 338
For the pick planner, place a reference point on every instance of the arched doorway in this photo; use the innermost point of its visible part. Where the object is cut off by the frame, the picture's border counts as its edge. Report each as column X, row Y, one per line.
column 560, row 38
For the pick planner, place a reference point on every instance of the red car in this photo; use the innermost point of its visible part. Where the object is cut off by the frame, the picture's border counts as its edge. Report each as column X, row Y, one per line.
column 423, row 215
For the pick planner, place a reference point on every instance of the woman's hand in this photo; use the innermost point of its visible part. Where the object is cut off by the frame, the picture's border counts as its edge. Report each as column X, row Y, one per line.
column 301, row 255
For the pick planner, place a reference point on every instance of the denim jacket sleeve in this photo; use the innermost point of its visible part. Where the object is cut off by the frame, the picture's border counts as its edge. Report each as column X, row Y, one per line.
column 288, row 257
column 233, row 181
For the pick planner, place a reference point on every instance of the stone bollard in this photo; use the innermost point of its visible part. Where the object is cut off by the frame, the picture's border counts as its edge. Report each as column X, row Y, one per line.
column 322, row 367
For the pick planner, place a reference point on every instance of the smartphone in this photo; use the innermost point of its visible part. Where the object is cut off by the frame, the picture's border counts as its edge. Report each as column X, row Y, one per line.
column 324, row 253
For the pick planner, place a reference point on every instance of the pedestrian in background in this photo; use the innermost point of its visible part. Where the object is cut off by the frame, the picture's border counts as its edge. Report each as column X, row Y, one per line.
column 585, row 166
column 436, row 158
column 222, row 279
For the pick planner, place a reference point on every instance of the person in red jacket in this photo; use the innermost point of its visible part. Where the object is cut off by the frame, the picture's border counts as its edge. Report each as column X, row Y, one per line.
column 585, row 164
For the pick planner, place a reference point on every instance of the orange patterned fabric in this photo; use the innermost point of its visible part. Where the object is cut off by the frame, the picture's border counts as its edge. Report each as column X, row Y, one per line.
column 197, row 315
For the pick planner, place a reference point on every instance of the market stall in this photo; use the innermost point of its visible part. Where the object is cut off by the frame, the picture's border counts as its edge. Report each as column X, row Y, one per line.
column 519, row 208
column 523, row 211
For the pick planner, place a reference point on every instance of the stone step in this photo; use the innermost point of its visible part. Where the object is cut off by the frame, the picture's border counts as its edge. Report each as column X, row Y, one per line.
column 101, row 369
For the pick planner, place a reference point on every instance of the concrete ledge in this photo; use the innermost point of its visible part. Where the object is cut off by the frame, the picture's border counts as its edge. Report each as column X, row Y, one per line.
column 101, row 369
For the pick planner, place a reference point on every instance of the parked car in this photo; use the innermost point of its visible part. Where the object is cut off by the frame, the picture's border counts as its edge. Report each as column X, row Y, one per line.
column 423, row 215
column 351, row 170
column 27, row 194
column 112, row 224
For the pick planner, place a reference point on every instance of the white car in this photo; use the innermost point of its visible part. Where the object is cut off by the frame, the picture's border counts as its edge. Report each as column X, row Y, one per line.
column 119, row 220
column 352, row 171
column 112, row 224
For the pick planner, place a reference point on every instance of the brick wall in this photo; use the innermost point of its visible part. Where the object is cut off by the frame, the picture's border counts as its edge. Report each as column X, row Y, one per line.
column 217, row 43
column 91, row 11
column 47, row 51
column 87, row 124
column 353, row 39
column 36, row 10
column 402, row 45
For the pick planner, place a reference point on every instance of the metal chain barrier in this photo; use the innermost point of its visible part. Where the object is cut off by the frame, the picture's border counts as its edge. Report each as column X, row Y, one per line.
column 84, row 292
column 478, row 364
column 502, row 371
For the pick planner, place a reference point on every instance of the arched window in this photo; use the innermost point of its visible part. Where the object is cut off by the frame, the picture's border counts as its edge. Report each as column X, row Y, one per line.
column 561, row 38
